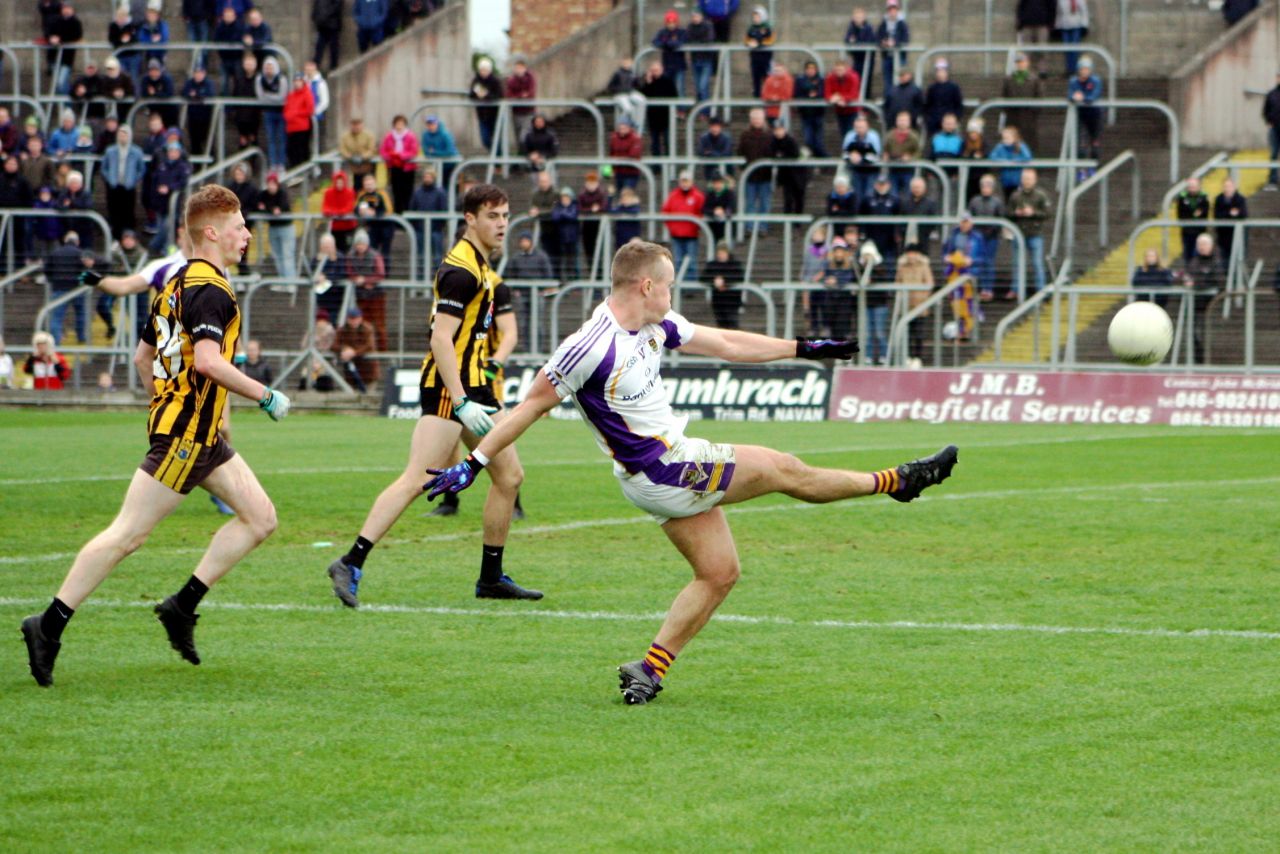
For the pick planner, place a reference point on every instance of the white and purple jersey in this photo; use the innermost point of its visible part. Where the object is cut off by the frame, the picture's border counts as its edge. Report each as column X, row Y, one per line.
column 161, row 270
column 614, row 379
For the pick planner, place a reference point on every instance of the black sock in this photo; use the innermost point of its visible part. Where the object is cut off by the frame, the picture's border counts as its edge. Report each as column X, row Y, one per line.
column 359, row 551
column 190, row 595
column 518, row 507
column 491, row 565
column 449, row 499
column 55, row 619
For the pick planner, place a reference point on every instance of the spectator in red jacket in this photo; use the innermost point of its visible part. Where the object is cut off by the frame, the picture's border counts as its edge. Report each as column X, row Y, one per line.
column 684, row 199
column 626, row 143
column 843, row 88
column 400, row 154
column 779, row 86
column 523, row 86
column 339, row 205
column 299, row 109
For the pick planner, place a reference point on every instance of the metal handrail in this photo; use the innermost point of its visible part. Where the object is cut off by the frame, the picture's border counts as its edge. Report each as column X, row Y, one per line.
column 930, row 166
column 1240, row 225
column 505, row 105
column 8, row 55
column 723, row 49
column 1099, row 178
column 898, row 340
column 715, row 103
column 1010, row 51
column 1026, row 307
column 34, row 103
column 963, row 165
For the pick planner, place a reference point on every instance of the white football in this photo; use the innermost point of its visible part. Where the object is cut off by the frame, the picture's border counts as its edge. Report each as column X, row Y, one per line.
column 1141, row 333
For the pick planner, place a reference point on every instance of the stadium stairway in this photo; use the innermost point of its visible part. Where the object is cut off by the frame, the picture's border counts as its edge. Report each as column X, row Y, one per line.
column 1111, row 270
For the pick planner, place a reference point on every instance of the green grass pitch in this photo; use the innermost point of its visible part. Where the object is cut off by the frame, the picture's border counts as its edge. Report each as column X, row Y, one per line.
column 1011, row 663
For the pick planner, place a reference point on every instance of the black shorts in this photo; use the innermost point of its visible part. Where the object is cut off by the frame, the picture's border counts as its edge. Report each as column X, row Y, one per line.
column 437, row 401
column 182, row 465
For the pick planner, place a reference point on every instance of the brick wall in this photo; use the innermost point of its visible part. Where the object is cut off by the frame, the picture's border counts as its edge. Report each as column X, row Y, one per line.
column 536, row 26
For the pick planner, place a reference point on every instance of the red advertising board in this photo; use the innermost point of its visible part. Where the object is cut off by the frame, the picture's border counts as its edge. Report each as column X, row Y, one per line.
column 1202, row 400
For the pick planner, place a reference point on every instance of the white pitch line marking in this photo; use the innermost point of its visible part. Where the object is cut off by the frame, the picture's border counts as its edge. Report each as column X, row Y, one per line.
column 741, row 619
column 641, row 519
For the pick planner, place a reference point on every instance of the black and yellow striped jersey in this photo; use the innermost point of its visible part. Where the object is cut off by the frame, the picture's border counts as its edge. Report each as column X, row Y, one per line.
column 464, row 288
column 196, row 303
column 502, row 304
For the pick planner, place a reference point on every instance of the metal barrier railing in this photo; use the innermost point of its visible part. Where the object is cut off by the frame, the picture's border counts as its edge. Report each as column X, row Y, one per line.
column 721, row 104
column 949, row 50
column 899, row 345
column 1067, row 223
column 504, row 107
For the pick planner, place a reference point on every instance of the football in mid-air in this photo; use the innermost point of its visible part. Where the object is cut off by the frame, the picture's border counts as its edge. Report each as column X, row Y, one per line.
column 1141, row 333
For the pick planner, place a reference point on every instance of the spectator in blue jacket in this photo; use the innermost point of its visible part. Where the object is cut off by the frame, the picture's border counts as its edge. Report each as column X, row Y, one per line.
column 669, row 40
column 720, row 13
column 430, row 197
column 564, row 219
column 861, row 147
column 1084, row 89
column 153, row 31
column 371, row 17
column 257, row 34
column 1011, row 148
column 715, row 142
column 63, row 139
column 123, row 166
column 438, row 144
column 237, row 6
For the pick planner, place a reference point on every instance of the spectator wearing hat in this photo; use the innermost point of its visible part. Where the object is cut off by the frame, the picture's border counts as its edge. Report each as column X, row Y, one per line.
column 153, row 31
column 436, row 143
column 116, row 84
column 1023, row 83
column 521, row 85
column 365, row 270
column 539, row 144
column 353, row 344
column 63, row 32
column 593, row 202
column 63, row 138
column 687, row 199
column 1229, row 206
column 669, row 40
column 881, row 202
column 326, row 17
column 62, row 268
column 831, row 307
column 486, row 88
column 299, row 117
column 1084, row 89
column 257, row 34
column 1034, row 20
column 564, row 223
column 371, row 19
column 725, row 275
column 357, row 148
column 229, row 31
column 862, row 148
column 198, row 91
column 701, row 31
column 778, row 88
column 718, row 207
column 988, row 203
column 656, row 86
column 860, row 35
column 626, row 144
column 943, row 96
column 158, row 85
column 1011, row 150
column 271, row 89
column 810, row 86
column 902, row 145
column 842, row 90
column 1071, row 21
column 960, row 254
column 842, row 202
column 275, row 206
column 1271, row 116
column 170, row 188
column 399, row 152
column 528, row 261
column 893, row 35
column 1029, row 208
column 759, row 37
column 792, row 178
column 905, row 96
column 715, row 142
column 123, row 166
column 429, row 198
column 756, row 143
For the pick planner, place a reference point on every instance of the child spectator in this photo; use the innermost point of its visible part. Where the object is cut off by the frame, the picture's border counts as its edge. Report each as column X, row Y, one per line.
column 759, row 37
column 46, row 366
column 399, row 152
column 861, row 37
column 1012, row 149
column 724, row 275
column 299, row 115
column 718, row 206
column 685, row 198
column 961, row 252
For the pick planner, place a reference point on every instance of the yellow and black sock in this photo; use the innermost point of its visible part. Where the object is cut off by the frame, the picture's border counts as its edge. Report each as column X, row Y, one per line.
column 886, row 481
column 656, row 661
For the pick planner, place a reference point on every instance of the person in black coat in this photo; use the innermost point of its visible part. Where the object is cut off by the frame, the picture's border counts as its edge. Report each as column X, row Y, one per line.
column 1152, row 275
column 791, row 179
column 655, row 84
column 1034, row 21
column 1271, row 115
column 327, row 16
column 1229, row 205
column 724, row 274
column 943, row 96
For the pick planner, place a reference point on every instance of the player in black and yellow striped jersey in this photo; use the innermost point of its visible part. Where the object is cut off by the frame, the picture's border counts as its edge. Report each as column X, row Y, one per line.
column 187, row 353
column 458, row 401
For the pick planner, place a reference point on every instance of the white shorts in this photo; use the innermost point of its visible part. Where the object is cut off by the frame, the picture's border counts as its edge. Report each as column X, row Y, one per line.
column 690, row 478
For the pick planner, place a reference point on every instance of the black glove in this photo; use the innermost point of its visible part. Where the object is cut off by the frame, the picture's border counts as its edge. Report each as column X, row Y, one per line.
column 492, row 368
column 826, row 348
column 92, row 278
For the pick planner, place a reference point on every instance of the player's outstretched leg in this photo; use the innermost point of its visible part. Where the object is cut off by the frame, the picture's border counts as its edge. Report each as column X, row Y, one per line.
column 916, row 476
column 761, row 471
column 41, row 651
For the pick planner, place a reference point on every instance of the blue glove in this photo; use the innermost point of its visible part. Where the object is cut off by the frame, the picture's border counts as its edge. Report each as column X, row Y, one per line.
column 453, row 479
column 826, row 348
column 275, row 404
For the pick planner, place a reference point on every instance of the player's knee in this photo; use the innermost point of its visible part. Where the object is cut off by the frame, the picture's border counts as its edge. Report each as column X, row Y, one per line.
column 723, row 575
column 790, row 467
column 508, row 478
column 262, row 521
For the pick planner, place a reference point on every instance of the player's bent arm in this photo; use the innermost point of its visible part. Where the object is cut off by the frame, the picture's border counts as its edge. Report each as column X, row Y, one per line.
column 442, row 331
column 210, row 363
column 144, row 358
column 509, row 330
column 541, row 399
column 120, row 286
column 733, row 345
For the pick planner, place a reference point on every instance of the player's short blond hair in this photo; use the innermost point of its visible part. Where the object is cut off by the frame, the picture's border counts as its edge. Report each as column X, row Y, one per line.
column 636, row 261
column 208, row 203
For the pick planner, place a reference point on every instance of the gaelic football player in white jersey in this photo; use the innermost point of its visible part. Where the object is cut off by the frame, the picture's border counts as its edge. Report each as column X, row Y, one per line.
column 610, row 369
